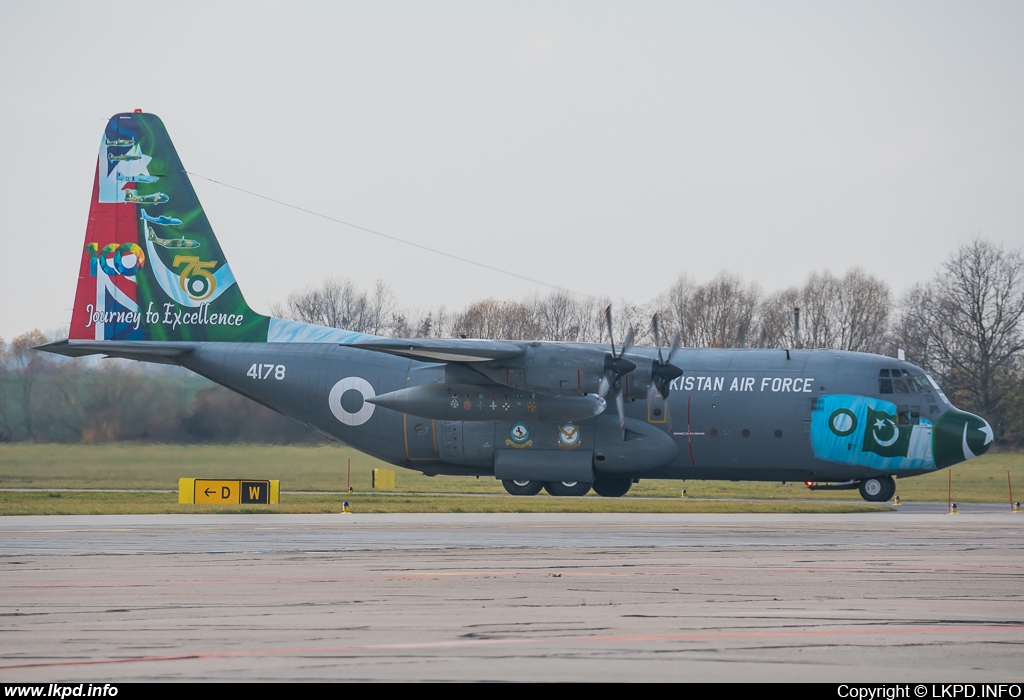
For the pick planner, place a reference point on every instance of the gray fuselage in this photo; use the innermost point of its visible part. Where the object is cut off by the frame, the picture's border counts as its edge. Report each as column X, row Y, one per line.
column 734, row 414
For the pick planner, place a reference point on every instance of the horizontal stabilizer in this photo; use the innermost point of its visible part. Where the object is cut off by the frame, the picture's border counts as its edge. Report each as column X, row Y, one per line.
column 143, row 350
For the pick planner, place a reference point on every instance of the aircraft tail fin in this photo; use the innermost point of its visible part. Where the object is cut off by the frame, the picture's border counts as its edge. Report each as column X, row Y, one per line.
column 151, row 267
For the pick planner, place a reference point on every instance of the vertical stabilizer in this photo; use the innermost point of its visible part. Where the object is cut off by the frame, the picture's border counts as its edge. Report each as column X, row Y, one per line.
column 151, row 267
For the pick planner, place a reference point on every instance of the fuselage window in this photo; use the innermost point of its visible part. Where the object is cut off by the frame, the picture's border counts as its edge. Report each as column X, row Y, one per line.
column 884, row 385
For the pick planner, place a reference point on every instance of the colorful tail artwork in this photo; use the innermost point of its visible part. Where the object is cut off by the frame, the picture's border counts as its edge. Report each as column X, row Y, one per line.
column 151, row 267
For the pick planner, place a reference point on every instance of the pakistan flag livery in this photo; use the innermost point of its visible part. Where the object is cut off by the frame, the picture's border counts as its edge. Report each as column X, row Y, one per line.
column 155, row 285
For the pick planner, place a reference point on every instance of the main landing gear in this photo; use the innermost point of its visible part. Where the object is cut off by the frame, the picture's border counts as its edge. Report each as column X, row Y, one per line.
column 568, row 488
column 612, row 486
column 877, row 488
column 607, row 486
column 522, row 488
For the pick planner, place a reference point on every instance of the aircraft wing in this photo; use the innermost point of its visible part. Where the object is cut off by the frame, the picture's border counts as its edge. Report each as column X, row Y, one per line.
column 446, row 350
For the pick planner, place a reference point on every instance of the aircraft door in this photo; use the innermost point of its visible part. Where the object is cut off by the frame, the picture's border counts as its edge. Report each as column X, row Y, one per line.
column 657, row 409
column 469, row 443
column 420, row 438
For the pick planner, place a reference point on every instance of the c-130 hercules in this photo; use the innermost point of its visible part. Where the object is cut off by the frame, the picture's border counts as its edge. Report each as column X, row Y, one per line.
column 532, row 414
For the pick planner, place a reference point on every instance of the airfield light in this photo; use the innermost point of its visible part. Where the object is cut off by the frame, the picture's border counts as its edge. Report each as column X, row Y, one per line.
column 808, row 484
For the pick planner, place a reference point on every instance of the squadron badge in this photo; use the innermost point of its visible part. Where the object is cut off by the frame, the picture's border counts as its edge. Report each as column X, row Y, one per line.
column 520, row 436
column 568, row 436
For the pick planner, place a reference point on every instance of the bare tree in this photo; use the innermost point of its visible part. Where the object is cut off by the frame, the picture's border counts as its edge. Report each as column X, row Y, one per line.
column 329, row 304
column 340, row 304
column 674, row 308
column 505, row 320
column 775, row 316
column 625, row 316
column 847, row 313
column 380, row 309
column 562, row 317
column 718, row 314
column 909, row 332
column 968, row 326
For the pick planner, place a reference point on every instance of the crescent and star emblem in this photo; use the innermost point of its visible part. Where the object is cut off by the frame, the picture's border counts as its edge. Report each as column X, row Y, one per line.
column 882, row 423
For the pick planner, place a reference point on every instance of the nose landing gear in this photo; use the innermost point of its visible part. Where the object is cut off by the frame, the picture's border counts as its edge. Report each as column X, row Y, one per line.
column 877, row 489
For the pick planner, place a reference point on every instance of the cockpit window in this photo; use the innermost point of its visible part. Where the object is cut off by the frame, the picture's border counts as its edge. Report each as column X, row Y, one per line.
column 901, row 381
column 919, row 384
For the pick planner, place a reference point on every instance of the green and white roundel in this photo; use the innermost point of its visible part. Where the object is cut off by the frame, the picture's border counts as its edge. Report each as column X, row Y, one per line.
column 842, row 422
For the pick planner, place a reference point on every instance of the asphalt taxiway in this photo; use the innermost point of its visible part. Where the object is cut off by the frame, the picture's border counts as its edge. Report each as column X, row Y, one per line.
column 902, row 596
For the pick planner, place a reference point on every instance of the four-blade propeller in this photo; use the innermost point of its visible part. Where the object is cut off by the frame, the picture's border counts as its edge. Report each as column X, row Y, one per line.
column 663, row 371
column 617, row 366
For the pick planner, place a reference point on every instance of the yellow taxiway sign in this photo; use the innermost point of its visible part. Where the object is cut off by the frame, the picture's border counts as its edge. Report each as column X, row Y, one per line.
column 228, row 491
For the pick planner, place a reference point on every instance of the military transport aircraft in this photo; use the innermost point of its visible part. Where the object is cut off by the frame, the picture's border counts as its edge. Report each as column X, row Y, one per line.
column 536, row 415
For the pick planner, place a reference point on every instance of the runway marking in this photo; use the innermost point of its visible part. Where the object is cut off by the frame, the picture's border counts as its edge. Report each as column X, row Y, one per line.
column 619, row 572
column 178, row 582
column 528, row 640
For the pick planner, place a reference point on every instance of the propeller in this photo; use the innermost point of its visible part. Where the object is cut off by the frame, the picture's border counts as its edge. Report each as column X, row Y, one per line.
column 662, row 370
column 616, row 367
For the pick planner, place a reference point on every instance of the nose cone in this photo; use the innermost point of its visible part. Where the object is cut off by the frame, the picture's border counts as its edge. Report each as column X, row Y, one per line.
column 959, row 436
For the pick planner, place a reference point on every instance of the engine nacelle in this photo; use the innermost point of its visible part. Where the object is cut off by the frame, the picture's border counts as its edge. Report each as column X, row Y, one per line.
column 571, row 370
column 558, row 369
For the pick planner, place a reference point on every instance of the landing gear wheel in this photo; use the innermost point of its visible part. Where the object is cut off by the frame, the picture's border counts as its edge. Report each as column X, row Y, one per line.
column 568, row 488
column 612, row 486
column 877, row 489
column 522, row 488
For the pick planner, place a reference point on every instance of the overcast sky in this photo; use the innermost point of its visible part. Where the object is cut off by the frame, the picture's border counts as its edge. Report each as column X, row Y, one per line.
column 602, row 147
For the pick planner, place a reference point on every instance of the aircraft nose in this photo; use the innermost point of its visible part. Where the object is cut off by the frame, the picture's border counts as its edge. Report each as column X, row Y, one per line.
column 959, row 436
